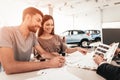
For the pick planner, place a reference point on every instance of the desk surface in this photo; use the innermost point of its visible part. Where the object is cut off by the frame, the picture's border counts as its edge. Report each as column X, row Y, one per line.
column 80, row 73
column 83, row 74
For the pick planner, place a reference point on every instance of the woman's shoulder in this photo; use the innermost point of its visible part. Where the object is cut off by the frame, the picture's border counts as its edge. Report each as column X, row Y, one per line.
column 57, row 36
column 60, row 38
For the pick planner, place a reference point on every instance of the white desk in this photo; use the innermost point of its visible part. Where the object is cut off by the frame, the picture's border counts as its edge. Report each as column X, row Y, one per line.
column 85, row 74
column 81, row 73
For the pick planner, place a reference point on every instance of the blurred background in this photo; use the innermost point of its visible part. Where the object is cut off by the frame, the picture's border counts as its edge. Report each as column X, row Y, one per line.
column 68, row 14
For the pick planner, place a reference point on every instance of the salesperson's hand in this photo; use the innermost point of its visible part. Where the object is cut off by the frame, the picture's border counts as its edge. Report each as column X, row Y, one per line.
column 98, row 59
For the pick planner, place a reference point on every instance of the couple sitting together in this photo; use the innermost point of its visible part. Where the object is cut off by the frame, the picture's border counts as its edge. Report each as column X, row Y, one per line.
column 16, row 44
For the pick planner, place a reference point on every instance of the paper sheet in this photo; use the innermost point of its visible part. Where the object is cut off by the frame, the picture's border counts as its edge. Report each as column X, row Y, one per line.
column 55, row 74
column 76, row 59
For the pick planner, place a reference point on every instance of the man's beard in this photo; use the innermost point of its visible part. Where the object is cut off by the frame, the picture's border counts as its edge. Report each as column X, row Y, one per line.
column 32, row 29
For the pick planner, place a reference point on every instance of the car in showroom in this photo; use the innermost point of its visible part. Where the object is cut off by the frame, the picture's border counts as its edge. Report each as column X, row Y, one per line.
column 78, row 37
column 94, row 34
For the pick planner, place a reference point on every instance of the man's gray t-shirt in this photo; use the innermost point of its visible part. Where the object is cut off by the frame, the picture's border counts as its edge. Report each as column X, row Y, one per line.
column 11, row 37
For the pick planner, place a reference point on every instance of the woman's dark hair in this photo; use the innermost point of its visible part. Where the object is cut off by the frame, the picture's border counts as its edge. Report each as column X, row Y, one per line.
column 44, row 19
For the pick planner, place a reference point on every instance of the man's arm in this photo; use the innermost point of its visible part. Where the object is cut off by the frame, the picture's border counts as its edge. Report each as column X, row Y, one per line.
column 10, row 65
column 106, row 70
column 109, row 71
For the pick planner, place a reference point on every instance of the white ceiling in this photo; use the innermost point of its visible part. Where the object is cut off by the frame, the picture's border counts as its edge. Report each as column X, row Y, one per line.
column 73, row 6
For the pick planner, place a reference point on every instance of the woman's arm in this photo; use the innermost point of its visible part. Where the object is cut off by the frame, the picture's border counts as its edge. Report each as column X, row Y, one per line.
column 71, row 50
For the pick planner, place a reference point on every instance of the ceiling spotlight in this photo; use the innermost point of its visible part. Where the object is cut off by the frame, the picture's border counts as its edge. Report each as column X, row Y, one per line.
column 60, row 9
column 96, row 0
column 71, row 6
column 50, row 5
column 116, row 3
column 87, row 0
column 65, row 3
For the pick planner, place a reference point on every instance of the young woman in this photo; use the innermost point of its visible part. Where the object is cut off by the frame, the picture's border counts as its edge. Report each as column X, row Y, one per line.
column 51, row 42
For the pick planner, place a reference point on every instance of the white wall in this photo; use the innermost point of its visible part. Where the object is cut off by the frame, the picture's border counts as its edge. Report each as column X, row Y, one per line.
column 111, row 17
column 91, row 20
column 111, row 14
column 82, row 21
column 10, row 14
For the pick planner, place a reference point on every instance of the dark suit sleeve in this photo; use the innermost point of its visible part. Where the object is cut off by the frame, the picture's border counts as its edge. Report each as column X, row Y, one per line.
column 109, row 72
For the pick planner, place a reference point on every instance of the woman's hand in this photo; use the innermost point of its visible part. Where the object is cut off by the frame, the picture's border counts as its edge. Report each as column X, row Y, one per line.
column 82, row 50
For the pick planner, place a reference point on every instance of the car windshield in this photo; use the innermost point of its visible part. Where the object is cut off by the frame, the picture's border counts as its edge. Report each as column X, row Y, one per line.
column 73, row 32
column 93, row 31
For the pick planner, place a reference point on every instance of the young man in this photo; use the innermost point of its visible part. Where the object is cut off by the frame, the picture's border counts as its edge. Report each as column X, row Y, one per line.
column 16, row 44
column 106, row 70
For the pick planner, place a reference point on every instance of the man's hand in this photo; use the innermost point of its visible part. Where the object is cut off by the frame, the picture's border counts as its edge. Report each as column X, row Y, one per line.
column 117, row 51
column 57, row 61
column 55, row 53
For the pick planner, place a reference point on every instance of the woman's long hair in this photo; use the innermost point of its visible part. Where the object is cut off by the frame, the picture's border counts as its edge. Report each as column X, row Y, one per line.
column 44, row 19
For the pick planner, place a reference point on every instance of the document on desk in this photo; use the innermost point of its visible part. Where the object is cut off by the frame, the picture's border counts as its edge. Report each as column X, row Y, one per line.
column 77, row 59
column 55, row 74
